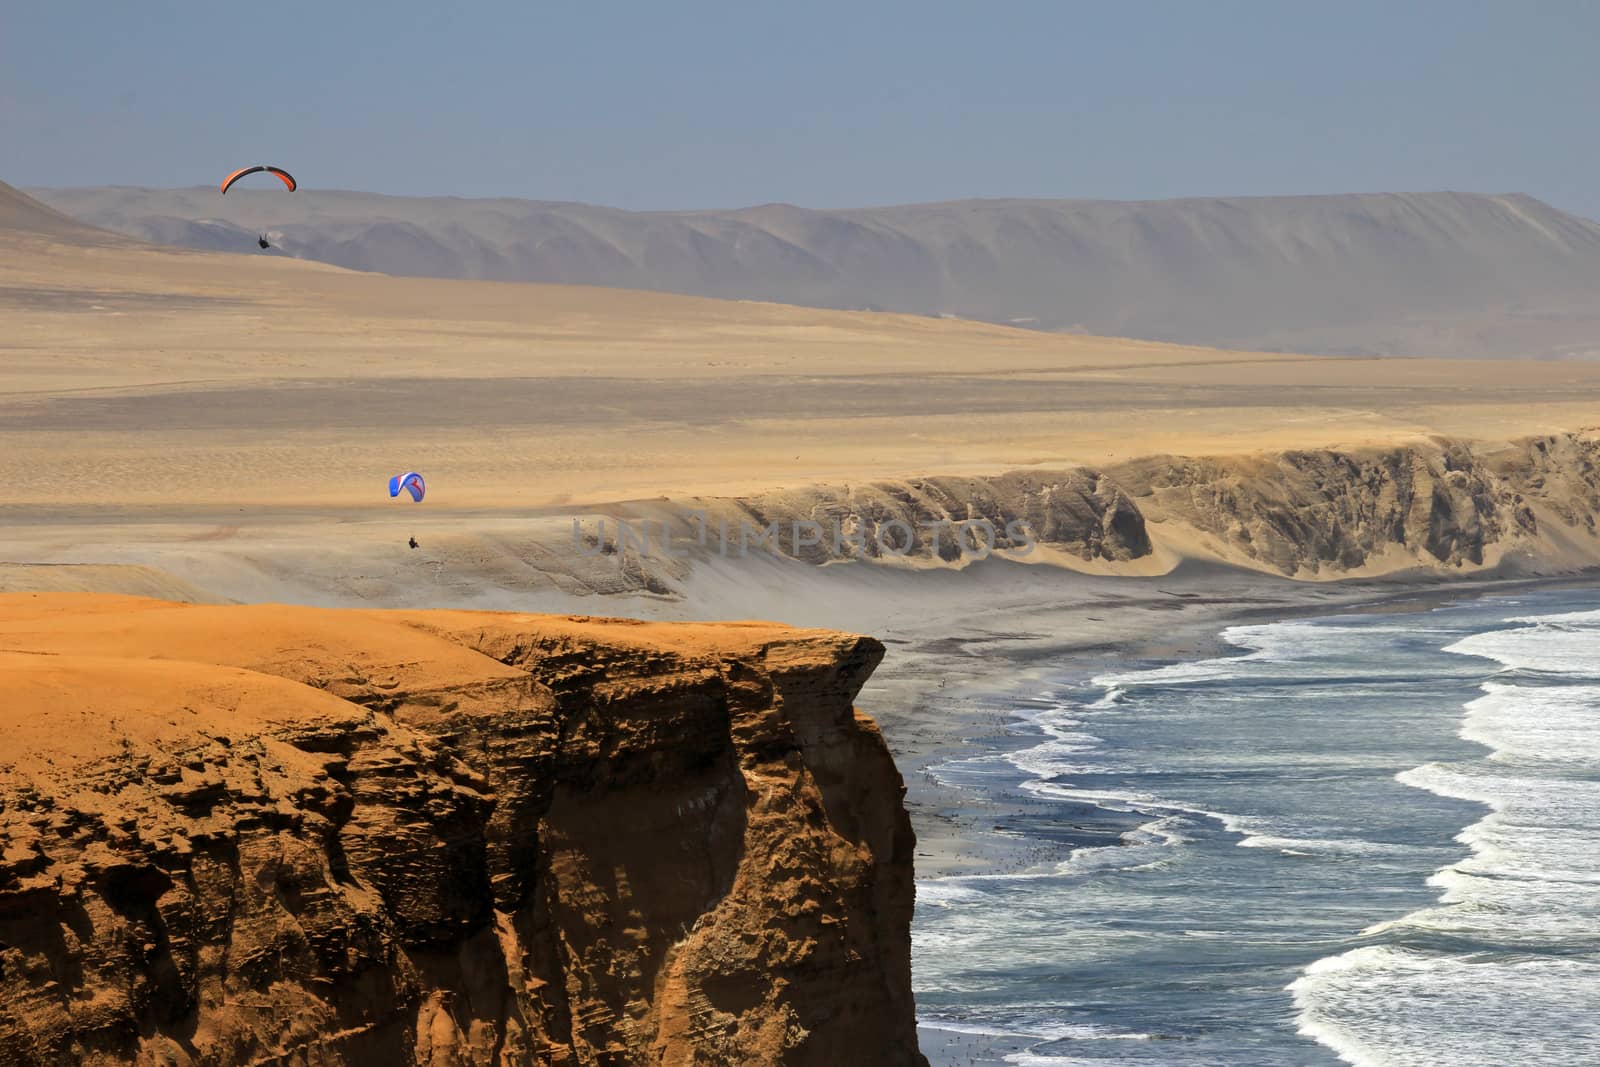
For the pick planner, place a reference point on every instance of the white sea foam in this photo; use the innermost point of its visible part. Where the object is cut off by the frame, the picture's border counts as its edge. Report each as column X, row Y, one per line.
column 1292, row 643
column 1208, row 670
column 1037, row 1059
column 1566, row 645
column 1531, row 726
column 1383, row 1005
column 1503, row 968
column 1146, row 846
column 1315, row 846
column 1042, row 1028
column 1590, row 619
column 1113, row 696
column 1039, row 1024
column 1533, row 875
column 1526, row 897
column 946, row 893
column 1254, row 831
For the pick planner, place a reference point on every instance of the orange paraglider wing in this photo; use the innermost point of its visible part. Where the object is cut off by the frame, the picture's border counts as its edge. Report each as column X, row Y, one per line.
column 282, row 175
column 285, row 177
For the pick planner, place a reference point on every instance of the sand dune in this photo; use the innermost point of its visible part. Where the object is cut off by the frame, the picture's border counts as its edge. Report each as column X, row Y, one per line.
column 232, row 421
column 133, row 376
column 22, row 214
column 1438, row 274
column 352, row 791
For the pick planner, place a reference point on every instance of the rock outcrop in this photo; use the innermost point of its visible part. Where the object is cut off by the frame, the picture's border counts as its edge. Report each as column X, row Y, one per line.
column 1078, row 512
column 1442, row 505
column 1446, row 504
column 283, row 835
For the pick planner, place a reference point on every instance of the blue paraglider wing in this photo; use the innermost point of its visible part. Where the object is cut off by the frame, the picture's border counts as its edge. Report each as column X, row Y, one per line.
column 411, row 482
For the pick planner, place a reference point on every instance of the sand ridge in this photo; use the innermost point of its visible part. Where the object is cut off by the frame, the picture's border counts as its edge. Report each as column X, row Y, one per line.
column 228, row 423
column 170, row 379
column 1418, row 273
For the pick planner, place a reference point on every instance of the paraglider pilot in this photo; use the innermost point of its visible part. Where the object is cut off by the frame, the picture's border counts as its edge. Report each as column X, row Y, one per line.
column 411, row 482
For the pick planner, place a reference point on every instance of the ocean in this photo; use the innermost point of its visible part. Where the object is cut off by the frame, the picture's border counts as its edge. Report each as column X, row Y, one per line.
column 1367, row 839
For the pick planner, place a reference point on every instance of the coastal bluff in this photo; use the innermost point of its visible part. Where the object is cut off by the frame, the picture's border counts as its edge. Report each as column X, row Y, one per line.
column 289, row 835
column 1435, row 505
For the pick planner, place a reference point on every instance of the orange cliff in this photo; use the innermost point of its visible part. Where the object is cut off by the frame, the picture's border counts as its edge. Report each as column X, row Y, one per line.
column 269, row 834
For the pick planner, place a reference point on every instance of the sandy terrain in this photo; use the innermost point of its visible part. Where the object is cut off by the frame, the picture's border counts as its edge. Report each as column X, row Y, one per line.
column 261, row 833
column 201, row 426
column 181, row 381
column 1417, row 274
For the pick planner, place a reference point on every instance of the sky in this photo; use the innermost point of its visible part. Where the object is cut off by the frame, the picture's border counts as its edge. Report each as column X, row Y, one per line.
column 706, row 105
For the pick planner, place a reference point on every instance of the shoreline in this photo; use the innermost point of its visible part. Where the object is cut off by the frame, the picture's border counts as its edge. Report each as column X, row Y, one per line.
column 967, row 649
column 927, row 725
column 963, row 644
column 977, row 837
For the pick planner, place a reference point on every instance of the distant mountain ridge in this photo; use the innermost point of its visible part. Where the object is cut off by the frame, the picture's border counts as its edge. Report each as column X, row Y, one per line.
column 23, row 214
column 1381, row 273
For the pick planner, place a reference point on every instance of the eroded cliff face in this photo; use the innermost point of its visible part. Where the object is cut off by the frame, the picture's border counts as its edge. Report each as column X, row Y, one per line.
column 1441, row 505
column 1445, row 504
column 1079, row 512
column 293, row 836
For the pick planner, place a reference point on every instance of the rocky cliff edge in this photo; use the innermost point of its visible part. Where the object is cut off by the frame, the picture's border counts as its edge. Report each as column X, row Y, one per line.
column 1436, row 504
column 283, row 835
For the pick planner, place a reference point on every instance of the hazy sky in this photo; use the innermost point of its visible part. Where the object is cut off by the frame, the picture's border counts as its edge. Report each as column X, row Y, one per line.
column 655, row 105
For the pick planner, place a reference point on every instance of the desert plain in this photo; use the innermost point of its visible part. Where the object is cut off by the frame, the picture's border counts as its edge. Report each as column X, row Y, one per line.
column 212, row 426
column 209, row 427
